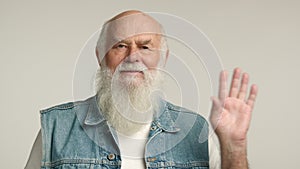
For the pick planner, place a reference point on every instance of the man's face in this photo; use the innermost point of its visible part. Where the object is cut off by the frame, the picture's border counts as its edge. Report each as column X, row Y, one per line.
column 132, row 46
column 140, row 49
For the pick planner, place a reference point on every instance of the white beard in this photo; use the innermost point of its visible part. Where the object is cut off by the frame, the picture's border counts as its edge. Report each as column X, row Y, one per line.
column 127, row 103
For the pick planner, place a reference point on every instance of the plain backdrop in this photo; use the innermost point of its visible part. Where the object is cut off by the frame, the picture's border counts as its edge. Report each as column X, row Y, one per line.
column 40, row 42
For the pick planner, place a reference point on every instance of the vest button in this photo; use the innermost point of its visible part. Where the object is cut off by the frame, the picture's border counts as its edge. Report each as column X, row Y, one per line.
column 153, row 128
column 111, row 156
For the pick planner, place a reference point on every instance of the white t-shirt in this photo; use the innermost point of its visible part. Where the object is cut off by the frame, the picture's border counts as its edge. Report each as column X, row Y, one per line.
column 133, row 148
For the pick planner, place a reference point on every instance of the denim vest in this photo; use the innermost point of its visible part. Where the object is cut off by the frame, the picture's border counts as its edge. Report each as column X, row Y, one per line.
column 75, row 135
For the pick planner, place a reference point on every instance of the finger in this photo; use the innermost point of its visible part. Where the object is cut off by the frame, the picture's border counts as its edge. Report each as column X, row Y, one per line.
column 222, row 85
column 252, row 96
column 244, row 86
column 234, row 88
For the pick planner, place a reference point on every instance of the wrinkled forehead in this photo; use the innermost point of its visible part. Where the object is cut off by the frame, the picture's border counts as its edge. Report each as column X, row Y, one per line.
column 130, row 26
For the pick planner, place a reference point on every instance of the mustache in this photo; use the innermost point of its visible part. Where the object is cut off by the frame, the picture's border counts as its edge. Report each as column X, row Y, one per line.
column 132, row 67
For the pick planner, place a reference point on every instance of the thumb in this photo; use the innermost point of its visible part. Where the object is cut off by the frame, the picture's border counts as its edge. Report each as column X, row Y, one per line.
column 217, row 106
column 215, row 101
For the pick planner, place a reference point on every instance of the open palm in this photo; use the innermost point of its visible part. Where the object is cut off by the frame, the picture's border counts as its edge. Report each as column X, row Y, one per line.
column 231, row 111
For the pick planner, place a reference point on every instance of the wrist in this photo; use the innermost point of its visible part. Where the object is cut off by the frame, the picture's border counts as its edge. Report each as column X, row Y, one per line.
column 234, row 154
column 233, row 144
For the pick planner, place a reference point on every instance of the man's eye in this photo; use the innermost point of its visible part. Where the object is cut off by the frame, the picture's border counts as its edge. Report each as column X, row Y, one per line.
column 145, row 47
column 121, row 46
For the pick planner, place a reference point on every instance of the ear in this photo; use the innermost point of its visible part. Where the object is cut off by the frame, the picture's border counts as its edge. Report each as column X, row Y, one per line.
column 98, row 57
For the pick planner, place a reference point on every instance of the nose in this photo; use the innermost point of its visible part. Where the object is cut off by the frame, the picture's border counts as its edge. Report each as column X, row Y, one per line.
column 133, row 55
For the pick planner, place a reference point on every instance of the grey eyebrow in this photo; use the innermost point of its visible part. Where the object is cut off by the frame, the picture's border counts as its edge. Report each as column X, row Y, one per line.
column 128, row 42
column 144, row 42
column 125, row 41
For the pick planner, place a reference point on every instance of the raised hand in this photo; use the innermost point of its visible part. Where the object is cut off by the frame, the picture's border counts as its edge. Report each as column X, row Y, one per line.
column 231, row 115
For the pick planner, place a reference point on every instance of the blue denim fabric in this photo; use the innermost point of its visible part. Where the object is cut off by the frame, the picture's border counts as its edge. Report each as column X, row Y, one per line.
column 75, row 135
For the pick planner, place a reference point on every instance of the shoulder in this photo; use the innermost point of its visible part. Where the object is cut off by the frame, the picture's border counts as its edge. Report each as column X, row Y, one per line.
column 68, row 106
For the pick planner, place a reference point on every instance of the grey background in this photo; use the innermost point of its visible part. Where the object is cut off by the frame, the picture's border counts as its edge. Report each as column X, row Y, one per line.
column 40, row 41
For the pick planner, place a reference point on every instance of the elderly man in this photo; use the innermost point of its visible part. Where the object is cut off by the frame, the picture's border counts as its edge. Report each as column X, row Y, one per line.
column 127, row 125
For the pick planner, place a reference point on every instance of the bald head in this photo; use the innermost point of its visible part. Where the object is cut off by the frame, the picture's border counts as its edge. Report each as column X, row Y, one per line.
column 125, row 13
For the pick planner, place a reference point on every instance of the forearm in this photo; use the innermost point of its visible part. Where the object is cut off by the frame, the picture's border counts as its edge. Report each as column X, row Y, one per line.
column 234, row 156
